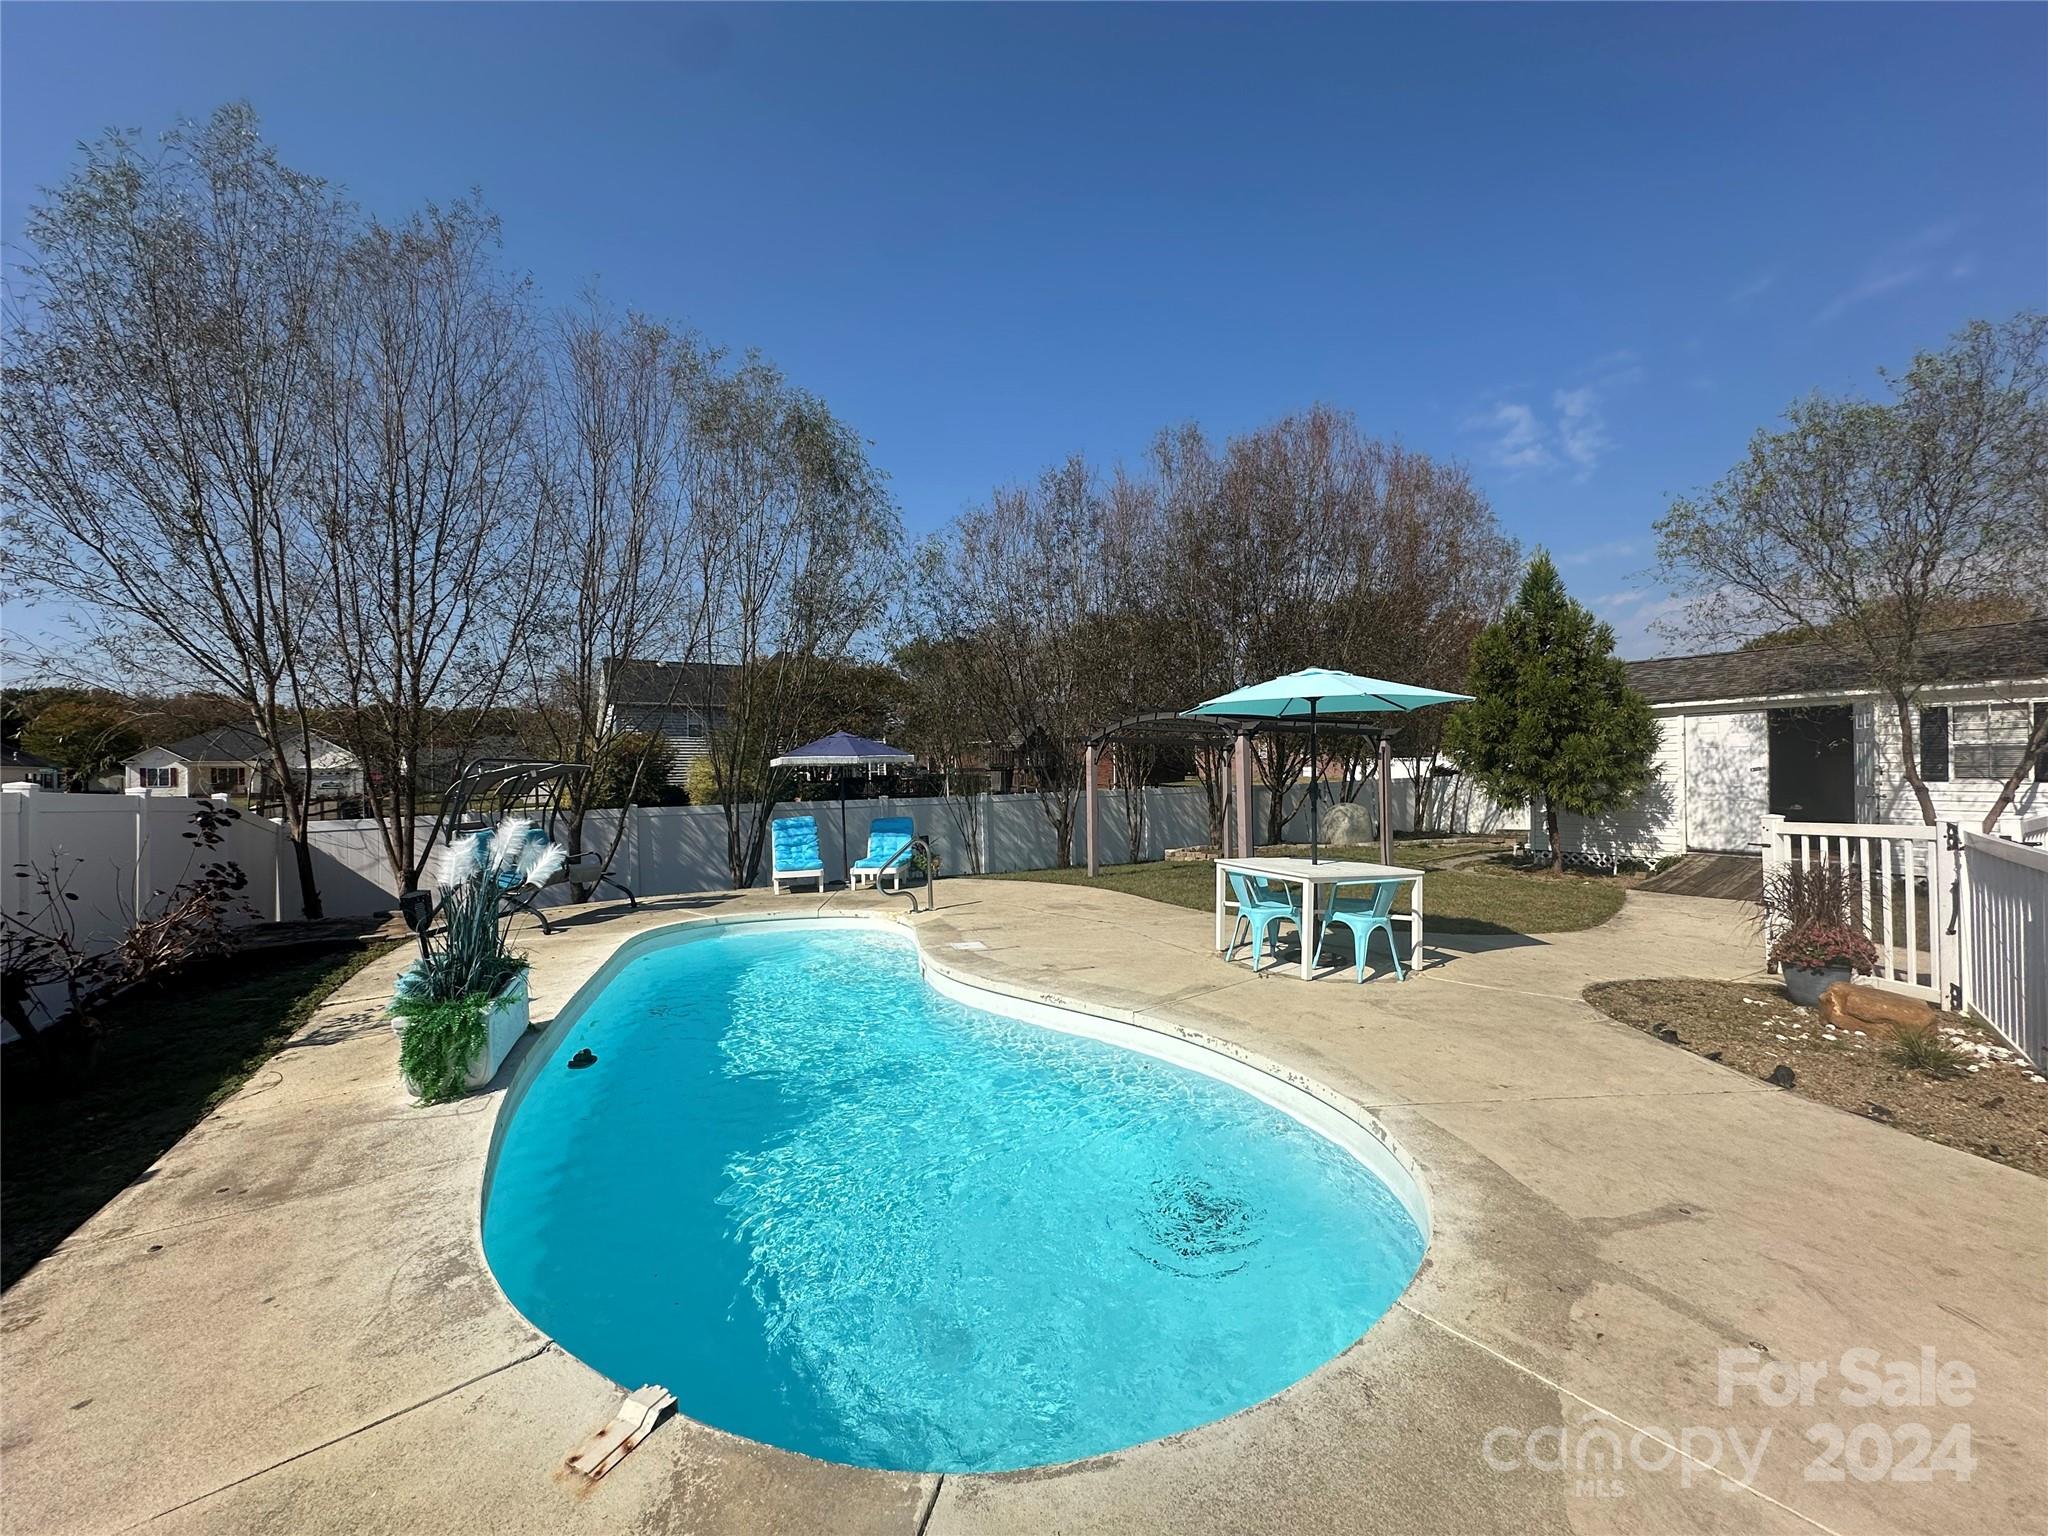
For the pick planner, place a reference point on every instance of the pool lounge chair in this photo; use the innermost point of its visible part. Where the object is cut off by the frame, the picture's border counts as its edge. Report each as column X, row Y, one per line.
column 796, row 852
column 1259, row 907
column 887, row 837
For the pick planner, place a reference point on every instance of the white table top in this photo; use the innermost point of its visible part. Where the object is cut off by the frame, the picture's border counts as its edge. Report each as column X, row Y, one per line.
column 1321, row 871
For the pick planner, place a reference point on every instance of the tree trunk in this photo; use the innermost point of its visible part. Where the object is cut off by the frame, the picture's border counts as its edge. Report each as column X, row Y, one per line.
column 1909, row 757
column 309, row 893
column 1550, row 820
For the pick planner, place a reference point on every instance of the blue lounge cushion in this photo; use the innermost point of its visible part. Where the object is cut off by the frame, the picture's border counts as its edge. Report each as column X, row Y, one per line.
column 887, row 837
column 796, row 844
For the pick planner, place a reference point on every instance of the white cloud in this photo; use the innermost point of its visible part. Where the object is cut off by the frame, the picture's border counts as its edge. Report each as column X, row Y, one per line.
column 1613, row 549
column 1899, row 267
column 1521, row 438
column 1635, row 612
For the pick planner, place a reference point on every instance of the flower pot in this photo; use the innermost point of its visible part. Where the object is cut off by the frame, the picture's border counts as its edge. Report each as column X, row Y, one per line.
column 502, row 1028
column 1804, row 984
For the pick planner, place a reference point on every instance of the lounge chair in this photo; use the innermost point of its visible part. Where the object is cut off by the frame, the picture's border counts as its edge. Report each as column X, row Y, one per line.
column 887, row 838
column 1259, row 907
column 796, row 852
column 1365, row 916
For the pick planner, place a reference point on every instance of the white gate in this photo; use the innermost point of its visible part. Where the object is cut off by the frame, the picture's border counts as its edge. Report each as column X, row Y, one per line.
column 1907, row 874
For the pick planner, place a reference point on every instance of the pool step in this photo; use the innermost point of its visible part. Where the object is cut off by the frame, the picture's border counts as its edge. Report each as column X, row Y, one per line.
column 636, row 1419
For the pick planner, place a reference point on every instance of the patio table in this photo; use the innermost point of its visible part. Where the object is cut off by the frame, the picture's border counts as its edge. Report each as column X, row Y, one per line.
column 1314, row 877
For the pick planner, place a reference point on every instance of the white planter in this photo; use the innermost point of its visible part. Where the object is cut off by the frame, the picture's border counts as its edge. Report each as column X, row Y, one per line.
column 502, row 1029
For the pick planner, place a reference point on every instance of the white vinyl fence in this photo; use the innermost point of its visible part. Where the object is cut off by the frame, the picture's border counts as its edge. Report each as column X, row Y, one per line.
column 2004, row 929
column 1958, row 918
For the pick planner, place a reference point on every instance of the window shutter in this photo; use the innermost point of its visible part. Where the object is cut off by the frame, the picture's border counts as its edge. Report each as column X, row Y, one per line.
column 2041, row 757
column 1934, row 745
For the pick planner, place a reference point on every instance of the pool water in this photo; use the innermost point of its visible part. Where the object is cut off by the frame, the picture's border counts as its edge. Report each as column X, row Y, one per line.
column 834, row 1211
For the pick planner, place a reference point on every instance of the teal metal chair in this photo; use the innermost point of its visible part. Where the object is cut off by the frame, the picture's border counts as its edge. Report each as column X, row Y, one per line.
column 1259, row 907
column 888, row 836
column 1365, row 916
column 796, row 852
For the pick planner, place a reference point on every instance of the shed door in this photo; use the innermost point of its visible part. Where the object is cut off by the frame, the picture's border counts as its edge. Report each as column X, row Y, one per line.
column 1727, row 781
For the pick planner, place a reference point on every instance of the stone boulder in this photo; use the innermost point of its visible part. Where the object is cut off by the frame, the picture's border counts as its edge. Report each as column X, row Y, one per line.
column 1348, row 821
column 1874, row 1010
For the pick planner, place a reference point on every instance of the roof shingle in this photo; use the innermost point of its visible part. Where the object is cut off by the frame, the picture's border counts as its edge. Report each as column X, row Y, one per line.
column 1982, row 653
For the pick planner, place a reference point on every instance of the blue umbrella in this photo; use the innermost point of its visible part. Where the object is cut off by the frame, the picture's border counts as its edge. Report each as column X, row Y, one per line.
column 843, row 749
column 1320, row 690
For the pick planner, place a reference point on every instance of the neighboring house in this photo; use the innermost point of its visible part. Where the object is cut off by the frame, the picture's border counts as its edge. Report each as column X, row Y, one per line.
column 684, row 700
column 232, row 760
column 19, row 767
column 1799, row 732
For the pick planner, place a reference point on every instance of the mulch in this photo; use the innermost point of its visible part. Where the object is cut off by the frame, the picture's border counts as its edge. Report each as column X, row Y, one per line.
column 1996, row 1106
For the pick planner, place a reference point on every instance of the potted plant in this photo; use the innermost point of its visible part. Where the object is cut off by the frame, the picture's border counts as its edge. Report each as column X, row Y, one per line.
column 1815, row 917
column 461, row 1007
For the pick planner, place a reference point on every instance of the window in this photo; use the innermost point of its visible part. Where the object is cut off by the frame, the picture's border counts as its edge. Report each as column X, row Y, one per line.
column 1987, row 741
column 1934, row 745
column 157, row 778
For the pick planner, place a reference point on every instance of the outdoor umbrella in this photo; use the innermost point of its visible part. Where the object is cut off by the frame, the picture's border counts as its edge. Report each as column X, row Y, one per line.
column 843, row 749
column 1317, row 691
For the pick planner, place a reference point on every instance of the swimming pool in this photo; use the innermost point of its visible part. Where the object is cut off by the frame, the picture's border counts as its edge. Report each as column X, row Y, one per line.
column 835, row 1210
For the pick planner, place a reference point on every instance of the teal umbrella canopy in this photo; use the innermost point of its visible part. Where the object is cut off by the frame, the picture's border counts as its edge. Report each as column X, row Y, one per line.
column 1316, row 691
column 1322, row 691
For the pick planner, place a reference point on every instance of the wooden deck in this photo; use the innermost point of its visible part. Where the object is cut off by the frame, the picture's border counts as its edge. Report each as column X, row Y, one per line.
column 1727, row 876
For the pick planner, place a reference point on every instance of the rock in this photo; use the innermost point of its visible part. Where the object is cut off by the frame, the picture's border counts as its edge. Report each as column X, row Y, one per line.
column 1847, row 1006
column 1348, row 821
column 1713, row 1055
column 1669, row 1037
column 1782, row 1076
column 583, row 1058
column 1878, row 1112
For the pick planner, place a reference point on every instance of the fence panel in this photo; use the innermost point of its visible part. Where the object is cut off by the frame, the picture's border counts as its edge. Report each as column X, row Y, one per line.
column 2004, row 972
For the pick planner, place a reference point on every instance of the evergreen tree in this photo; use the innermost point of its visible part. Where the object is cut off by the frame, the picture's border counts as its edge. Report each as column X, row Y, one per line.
column 1552, row 715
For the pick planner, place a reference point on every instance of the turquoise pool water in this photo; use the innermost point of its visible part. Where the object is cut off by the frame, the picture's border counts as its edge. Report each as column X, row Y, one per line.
column 832, row 1210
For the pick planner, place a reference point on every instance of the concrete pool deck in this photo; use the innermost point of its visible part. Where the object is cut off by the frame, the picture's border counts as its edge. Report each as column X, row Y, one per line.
column 287, row 1324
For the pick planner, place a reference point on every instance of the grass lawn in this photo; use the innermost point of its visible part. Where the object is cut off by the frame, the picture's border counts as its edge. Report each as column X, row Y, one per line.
column 164, row 1060
column 1480, row 898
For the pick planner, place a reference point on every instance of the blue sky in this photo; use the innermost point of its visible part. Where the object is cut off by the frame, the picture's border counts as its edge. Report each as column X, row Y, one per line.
column 1587, row 249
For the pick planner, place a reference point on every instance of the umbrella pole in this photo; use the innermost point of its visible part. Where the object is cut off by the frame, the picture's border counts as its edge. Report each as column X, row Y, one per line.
column 1313, row 776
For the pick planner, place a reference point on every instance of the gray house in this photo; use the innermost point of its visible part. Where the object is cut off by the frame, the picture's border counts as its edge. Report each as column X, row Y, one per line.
column 1799, row 732
column 232, row 760
column 684, row 700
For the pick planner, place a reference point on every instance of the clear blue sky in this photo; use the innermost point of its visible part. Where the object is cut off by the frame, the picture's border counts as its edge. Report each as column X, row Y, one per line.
column 1587, row 249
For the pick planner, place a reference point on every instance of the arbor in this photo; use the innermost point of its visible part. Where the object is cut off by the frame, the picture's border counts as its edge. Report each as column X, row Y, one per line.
column 1865, row 525
column 1552, row 714
column 157, row 432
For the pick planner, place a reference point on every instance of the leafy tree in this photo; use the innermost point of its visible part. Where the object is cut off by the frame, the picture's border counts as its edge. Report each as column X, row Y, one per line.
column 1866, row 525
column 1552, row 714
column 86, row 737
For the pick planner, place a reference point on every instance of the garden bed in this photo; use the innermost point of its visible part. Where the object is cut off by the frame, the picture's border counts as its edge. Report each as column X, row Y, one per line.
column 1993, row 1104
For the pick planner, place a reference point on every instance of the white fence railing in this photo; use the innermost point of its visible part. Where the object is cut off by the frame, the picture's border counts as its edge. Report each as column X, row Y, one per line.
column 1957, row 917
column 2004, row 927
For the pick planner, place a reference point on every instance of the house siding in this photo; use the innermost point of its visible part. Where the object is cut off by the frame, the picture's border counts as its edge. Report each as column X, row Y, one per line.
column 1961, row 800
column 686, row 729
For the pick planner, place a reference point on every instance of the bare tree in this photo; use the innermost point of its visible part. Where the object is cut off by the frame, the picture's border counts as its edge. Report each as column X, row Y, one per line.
column 794, row 542
column 1861, row 523
column 157, row 446
column 432, row 543
column 614, row 470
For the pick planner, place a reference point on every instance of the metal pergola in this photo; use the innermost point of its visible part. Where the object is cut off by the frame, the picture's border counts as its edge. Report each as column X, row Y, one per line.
column 1165, row 727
